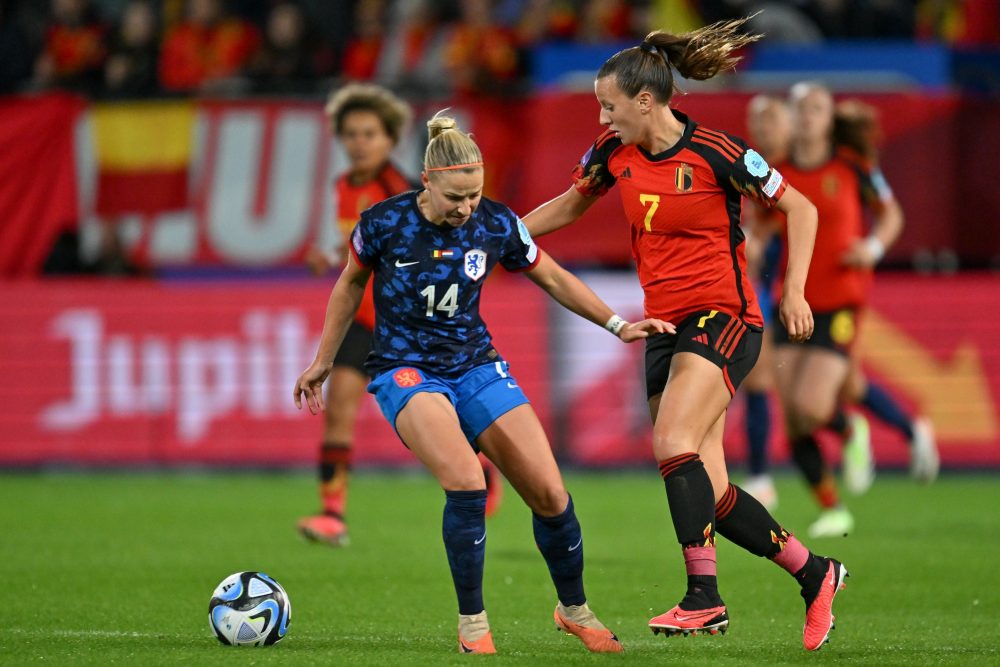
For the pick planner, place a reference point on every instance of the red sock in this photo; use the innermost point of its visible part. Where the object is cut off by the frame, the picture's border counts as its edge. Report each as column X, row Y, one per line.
column 335, row 464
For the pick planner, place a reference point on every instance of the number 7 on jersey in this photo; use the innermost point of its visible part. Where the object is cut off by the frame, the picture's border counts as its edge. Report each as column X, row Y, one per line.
column 654, row 203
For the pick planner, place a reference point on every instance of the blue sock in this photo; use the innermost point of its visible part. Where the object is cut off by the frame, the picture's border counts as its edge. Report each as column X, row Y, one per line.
column 885, row 407
column 561, row 543
column 758, row 420
column 464, row 532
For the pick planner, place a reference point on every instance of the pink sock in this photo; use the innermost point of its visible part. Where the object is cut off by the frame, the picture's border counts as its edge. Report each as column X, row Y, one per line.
column 700, row 561
column 793, row 555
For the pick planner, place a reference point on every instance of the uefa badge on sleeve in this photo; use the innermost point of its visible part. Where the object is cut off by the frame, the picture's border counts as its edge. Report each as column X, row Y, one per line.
column 475, row 264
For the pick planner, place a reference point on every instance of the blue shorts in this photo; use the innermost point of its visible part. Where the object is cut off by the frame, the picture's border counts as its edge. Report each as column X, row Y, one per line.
column 480, row 396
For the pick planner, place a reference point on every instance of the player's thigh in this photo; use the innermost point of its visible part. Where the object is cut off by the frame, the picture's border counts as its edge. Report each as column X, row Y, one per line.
column 856, row 384
column 429, row 426
column 787, row 364
column 818, row 384
column 713, row 456
column 695, row 396
column 761, row 378
column 344, row 392
column 517, row 444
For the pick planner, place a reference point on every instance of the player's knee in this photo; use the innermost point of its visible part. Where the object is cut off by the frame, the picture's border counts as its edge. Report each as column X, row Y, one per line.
column 549, row 500
column 463, row 480
column 668, row 443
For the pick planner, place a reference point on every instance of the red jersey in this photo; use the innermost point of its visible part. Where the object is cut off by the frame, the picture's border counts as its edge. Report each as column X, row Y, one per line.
column 351, row 201
column 683, row 208
column 840, row 189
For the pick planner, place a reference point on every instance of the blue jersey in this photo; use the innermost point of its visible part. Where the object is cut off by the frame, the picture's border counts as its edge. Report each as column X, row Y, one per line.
column 427, row 282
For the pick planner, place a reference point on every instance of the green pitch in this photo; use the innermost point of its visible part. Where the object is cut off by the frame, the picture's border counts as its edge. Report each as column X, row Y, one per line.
column 101, row 569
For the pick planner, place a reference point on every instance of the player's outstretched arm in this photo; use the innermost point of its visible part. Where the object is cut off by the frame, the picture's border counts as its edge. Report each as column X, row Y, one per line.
column 802, row 223
column 340, row 309
column 557, row 213
column 574, row 295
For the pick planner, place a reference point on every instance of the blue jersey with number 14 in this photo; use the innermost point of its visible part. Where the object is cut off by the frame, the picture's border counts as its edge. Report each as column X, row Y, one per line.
column 427, row 282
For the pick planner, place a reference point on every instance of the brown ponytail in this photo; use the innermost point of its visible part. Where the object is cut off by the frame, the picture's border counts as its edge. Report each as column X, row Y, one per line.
column 699, row 55
column 855, row 126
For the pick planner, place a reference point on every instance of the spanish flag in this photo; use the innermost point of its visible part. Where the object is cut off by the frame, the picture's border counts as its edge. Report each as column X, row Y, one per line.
column 143, row 152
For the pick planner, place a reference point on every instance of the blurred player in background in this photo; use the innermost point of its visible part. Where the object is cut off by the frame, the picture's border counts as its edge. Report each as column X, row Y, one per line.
column 769, row 127
column 681, row 186
column 368, row 121
column 832, row 163
column 444, row 387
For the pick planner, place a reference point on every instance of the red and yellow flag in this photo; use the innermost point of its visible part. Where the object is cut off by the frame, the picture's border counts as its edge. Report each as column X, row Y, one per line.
column 143, row 153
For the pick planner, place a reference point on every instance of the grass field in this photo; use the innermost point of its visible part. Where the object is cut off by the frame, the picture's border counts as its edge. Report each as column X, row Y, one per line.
column 118, row 569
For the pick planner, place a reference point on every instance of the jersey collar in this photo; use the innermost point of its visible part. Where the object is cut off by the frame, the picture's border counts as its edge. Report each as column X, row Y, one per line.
column 689, row 126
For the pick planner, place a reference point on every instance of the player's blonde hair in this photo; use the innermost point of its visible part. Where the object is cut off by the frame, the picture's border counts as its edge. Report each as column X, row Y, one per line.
column 393, row 112
column 449, row 148
column 700, row 54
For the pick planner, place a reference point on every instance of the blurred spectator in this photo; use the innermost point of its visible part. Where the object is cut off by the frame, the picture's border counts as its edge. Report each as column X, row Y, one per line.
column 74, row 51
column 131, row 67
column 480, row 56
column 966, row 22
column 411, row 58
column 17, row 50
column 109, row 257
column 604, row 21
column 291, row 59
column 207, row 48
column 361, row 55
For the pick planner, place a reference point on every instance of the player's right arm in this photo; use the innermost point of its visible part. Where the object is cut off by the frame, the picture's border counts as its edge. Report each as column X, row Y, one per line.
column 340, row 309
column 591, row 180
column 557, row 213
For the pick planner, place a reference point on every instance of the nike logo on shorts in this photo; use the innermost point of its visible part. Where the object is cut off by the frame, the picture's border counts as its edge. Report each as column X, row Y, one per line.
column 400, row 264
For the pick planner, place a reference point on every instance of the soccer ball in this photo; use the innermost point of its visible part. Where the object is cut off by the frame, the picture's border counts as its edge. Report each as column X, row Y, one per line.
column 249, row 609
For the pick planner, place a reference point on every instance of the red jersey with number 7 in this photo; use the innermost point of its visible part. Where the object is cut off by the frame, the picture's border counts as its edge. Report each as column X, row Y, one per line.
column 683, row 209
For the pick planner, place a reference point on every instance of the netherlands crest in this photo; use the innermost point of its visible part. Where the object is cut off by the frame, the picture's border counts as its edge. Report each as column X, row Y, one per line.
column 475, row 264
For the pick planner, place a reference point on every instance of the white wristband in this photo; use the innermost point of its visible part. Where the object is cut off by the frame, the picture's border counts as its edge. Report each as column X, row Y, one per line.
column 875, row 247
column 615, row 324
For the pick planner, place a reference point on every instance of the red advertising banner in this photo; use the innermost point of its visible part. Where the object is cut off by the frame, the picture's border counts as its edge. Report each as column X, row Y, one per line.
column 146, row 373
column 192, row 373
column 930, row 341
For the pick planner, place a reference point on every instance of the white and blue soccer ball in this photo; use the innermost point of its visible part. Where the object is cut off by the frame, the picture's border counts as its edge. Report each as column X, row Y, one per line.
column 249, row 609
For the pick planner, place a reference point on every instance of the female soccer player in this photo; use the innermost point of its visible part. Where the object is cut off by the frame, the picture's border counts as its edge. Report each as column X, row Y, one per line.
column 368, row 121
column 442, row 384
column 681, row 185
column 831, row 161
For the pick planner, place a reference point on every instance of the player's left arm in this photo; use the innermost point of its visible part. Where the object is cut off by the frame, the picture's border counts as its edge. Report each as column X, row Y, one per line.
column 574, row 295
column 887, row 221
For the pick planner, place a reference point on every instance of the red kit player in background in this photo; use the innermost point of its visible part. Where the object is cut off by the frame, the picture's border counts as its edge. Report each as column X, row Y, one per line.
column 681, row 186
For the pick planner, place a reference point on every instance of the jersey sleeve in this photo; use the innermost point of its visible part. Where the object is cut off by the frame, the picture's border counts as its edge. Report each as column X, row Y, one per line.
column 875, row 191
column 753, row 177
column 519, row 252
column 592, row 176
column 366, row 241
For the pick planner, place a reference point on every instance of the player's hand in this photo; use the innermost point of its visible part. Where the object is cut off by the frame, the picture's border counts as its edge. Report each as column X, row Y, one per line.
column 796, row 316
column 310, row 385
column 637, row 330
column 859, row 256
column 317, row 261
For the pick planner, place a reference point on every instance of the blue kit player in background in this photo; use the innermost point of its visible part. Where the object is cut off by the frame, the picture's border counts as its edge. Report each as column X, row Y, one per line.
column 441, row 383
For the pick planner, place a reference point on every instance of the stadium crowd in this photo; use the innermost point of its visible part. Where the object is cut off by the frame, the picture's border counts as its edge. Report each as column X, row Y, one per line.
column 139, row 48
